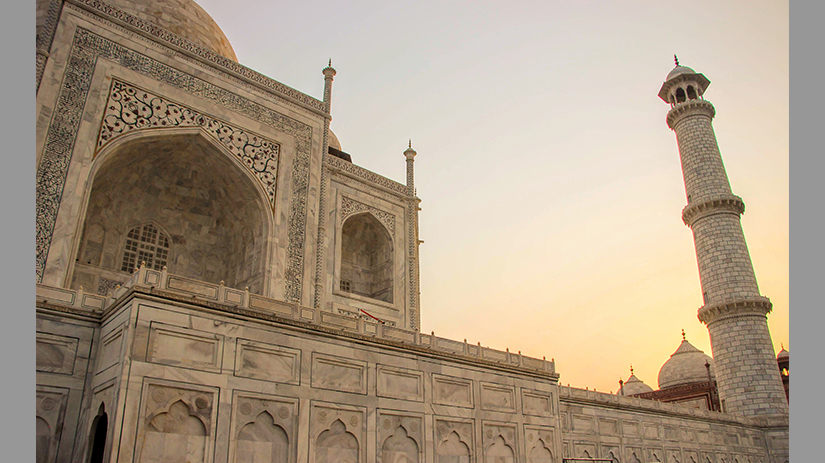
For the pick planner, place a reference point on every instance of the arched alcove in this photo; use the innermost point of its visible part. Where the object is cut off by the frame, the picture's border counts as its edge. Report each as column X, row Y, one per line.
column 179, row 186
column 97, row 436
column 366, row 258
column 680, row 95
column 691, row 92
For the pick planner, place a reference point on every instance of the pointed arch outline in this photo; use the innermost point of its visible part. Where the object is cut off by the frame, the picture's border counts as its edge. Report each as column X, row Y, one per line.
column 114, row 147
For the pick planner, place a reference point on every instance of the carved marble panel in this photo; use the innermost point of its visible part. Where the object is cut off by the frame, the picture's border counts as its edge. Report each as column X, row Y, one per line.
column 400, row 437
column 267, row 361
column 176, row 423
column 400, row 383
column 672, row 433
column 172, row 345
column 454, row 441
column 540, row 444
column 337, row 434
column 654, row 454
column 49, row 415
column 338, row 373
column 55, row 354
column 608, row 427
column 611, row 452
column 110, row 349
column 583, row 423
column 498, row 442
column 691, row 456
column 584, row 449
column 651, row 431
column 631, row 429
column 673, row 455
column 498, row 397
column 449, row 390
column 264, row 428
column 633, row 454
column 536, row 403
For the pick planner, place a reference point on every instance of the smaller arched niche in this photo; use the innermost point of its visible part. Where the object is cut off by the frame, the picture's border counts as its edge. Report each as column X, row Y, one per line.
column 97, row 436
column 366, row 258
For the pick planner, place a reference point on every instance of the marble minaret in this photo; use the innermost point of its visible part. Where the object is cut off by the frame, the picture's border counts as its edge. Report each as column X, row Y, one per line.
column 734, row 311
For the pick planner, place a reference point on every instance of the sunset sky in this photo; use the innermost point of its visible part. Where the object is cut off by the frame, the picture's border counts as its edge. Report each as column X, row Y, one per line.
column 550, row 183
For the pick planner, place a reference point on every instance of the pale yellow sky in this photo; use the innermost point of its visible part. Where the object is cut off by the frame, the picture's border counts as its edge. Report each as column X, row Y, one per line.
column 551, row 185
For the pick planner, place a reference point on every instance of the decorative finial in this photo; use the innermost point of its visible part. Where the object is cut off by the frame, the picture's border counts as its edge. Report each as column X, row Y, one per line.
column 330, row 62
column 782, row 345
column 676, row 60
column 631, row 369
column 683, row 334
column 410, row 143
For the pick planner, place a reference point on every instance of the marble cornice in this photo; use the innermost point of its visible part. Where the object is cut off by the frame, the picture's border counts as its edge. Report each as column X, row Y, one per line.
column 728, row 204
column 756, row 306
column 689, row 108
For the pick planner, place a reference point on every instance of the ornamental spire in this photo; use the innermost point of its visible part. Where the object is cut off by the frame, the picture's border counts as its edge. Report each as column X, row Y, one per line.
column 674, row 59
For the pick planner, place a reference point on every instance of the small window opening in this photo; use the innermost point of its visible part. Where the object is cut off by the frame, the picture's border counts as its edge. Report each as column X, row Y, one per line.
column 366, row 258
column 145, row 244
column 680, row 95
column 704, row 294
column 346, row 285
column 691, row 92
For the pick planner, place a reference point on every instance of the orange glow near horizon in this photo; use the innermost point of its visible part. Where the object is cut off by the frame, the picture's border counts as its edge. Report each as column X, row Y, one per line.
column 551, row 185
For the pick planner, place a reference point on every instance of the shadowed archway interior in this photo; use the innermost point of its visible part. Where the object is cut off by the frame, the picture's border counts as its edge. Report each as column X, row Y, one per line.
column 182, row 192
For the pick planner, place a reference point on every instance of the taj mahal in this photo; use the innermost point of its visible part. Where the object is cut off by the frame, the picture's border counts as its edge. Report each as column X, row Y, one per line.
column 218, row 281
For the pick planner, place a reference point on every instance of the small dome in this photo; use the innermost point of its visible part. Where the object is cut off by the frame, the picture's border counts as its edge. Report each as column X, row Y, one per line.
column 783, row 354
column 685, row 366
column 634, row 386
column 334, row 142
column 679, row 70
column 181, row 17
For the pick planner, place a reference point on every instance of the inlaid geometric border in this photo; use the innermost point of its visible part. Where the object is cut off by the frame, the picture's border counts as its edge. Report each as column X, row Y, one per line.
column 132, row 108
column 351, row 206
column 61, row 136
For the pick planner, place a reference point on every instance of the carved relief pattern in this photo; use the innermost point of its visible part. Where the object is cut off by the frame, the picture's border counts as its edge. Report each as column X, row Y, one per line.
column 62, row 133
column 338, row 435
column 412, row 264
column 454, row 441
column 365, row 174
column 350, row 207
column 176, row 425
column 265, row 428
column 499, row 443
column 540, row 445
column 209, row 55
column 130, row 108
column 400, row 438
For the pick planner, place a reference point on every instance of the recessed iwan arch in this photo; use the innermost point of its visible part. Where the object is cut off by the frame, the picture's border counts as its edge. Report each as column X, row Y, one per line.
column 366, row 257
column 215, row 211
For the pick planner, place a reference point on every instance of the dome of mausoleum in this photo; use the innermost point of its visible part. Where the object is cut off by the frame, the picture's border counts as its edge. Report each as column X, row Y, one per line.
column 334, row 142
column 679, row 70
column 634, row 386
column 184, row 18
column 685, row 366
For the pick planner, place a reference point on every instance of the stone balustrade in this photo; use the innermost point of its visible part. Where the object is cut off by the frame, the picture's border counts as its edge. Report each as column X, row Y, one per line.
column 234, row 298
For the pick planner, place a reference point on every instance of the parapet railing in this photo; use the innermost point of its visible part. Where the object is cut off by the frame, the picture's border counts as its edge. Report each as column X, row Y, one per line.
column 567, row 393
column 242, row 299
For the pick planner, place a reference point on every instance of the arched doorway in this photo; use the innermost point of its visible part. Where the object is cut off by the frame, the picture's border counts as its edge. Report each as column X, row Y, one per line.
column 97, row 436
column 366, row 258
column 176, row 199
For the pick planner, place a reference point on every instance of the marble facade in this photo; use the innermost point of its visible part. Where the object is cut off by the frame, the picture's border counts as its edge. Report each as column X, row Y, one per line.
column 279, row 321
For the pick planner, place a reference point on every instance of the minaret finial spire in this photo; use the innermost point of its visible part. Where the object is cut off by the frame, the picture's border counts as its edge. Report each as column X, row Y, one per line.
column 410, row 143
column 683, row 334
column 330, row 62
column 676, row 59
column 631, row 369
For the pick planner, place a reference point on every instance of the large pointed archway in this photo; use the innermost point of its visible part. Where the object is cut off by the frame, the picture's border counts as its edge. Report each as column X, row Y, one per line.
column 174, row 198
